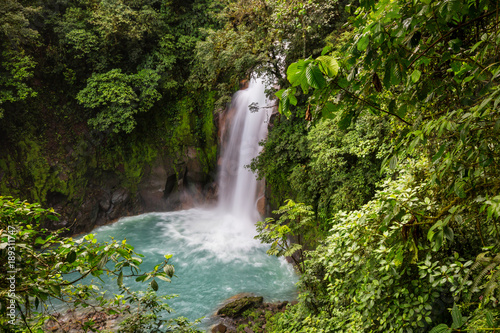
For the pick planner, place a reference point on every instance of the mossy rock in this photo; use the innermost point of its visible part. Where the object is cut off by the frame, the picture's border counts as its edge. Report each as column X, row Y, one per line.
column 237, row 307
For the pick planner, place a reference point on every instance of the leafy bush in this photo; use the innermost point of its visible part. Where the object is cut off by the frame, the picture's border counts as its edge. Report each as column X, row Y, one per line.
column 118, row 97
column 43, row 266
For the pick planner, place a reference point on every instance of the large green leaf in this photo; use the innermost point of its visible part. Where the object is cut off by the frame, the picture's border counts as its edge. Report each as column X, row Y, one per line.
column 393, row 162
column 489, row 319
column 458, row 319
column 328, row 65
column 396, row 74
column 460, row 189
column 314, row 77
column 437, row 240
column 415, row 76
column 296, row 72
column 287, row 97
column 119, row 281
column 363, row 42
column 329, row 110
column 154, row 285
column 71, row 257
column 56, row 289
column 441, row 328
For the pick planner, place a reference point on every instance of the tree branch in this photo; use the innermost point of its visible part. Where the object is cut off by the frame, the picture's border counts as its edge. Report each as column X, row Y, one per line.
column 372, row 105
column 451, row 32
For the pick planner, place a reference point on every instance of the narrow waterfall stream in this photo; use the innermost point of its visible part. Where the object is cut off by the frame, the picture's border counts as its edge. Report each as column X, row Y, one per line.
column 237, row 185
column 214, row 251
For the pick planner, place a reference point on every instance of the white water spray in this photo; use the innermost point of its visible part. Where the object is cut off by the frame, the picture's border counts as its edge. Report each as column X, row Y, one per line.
column 238, row 185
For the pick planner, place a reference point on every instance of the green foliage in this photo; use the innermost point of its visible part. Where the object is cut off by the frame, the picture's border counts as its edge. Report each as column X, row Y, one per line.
column 299, row 319
column 323, row 166
column 45, row 266
column 375, row 270
column 221, row 54
column 295, row 220
column 120, row 67
column 343, row 166
column 15, row 72
column 260, row 36
column 306, row 73
column 119, row 96
column 432, row 68
column 285, row 147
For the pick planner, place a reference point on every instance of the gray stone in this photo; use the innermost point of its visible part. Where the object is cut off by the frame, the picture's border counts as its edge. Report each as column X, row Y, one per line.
column 119, row 196
column 105, row 202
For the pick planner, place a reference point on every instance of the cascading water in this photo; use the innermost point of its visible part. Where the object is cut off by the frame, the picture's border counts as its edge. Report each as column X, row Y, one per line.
column 214, row 251
column 237, row 185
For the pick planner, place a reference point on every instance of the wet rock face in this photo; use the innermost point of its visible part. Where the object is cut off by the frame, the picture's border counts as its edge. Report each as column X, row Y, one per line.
column 173, row 185
column 170, row 186
column 165, row 185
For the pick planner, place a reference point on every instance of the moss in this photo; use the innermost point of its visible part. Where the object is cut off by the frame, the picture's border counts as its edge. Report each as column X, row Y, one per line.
column 239, row 306
column 142, row 154
column 208, row 158
column 38, row 175
column 67, row 160
column 241, row 328
column 182, row 135
column 208, row 128
column 9, row 177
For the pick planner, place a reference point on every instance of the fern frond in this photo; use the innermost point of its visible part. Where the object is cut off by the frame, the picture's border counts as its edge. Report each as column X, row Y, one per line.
column 494, row 262
column 491, row 285
column 479, row 260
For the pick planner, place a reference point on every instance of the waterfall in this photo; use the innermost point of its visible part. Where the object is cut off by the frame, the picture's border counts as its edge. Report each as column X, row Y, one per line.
column 248, row 126
column 214, row 251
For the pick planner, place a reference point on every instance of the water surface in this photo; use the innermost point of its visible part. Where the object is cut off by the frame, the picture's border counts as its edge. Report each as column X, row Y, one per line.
column 214, row 255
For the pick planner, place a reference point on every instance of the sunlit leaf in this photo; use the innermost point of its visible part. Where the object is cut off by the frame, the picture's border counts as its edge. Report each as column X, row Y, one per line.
column 328, row 65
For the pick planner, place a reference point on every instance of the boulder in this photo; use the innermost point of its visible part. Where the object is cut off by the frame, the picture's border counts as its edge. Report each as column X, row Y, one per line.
column 221, row 328
column 194, row 169
column 237, row 307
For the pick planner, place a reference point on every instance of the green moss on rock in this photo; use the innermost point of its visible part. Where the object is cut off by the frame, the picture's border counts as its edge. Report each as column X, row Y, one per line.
column 237, row 307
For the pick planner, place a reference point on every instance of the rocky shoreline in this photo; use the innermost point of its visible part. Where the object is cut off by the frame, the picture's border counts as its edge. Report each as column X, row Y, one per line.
column 241, row 313
column 73, row 321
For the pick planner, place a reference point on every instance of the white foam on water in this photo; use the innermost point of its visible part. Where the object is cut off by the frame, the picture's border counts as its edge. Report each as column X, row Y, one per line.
column 220, row 237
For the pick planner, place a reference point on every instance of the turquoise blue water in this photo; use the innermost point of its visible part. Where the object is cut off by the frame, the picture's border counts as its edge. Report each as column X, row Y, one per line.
column 214, row 255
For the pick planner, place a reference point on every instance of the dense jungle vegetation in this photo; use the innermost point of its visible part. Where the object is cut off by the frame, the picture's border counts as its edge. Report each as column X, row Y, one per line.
column 89, row 88
column 383, row 163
